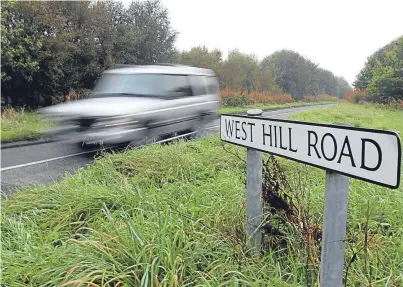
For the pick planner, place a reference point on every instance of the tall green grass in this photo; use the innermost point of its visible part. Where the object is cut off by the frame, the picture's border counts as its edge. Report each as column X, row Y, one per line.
column 175, row 216
column 21, row 125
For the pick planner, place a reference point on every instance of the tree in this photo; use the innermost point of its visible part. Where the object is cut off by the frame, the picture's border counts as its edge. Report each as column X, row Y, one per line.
column 343, row 87
column 382, row 75
column 300, row 76
column 201, row 57
column 21, row 54
column 50, row 47
column 263, row 79
column 239, row 71
column 293, row 72
column 327, row 82
column 150, row 26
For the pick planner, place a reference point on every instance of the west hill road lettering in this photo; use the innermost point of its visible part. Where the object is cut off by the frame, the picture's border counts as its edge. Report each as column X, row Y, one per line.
column 367, row 154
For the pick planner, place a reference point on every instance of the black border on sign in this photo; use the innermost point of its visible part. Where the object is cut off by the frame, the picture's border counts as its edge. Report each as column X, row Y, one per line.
column 399, row 147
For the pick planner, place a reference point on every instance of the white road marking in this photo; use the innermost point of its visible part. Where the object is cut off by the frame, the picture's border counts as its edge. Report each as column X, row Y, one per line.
column 47, row 160
column 85, row 152
column 275, row 115
column 212, row 127
column 91, row 151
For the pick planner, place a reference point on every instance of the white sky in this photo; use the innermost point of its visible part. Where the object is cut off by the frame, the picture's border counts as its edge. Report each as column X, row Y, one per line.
column 337, row 34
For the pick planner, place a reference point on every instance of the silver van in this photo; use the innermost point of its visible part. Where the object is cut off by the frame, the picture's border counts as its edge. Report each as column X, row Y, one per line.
column 132, row 103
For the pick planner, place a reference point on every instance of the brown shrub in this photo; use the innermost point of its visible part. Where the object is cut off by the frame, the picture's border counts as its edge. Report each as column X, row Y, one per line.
column 321, row 98
column 240, row 97
column 355, row 96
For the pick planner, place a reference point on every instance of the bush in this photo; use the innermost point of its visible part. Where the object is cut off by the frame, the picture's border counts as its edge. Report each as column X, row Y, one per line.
column 321, row 98
column 391, row 104
column 233, row 98
column 355, row 96
column 361, row 96
column 239, row 98
column 257, row 97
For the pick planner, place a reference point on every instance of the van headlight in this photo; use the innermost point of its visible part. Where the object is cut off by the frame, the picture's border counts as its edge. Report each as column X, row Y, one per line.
column 116, row 122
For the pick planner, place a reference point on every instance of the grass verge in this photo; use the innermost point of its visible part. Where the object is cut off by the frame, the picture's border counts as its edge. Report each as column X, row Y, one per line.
column 21, row 125
column 174, row 216
column 268, row 107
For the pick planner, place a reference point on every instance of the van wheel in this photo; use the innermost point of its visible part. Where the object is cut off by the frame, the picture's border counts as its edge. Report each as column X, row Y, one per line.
column 85, row 146
column 197, row 129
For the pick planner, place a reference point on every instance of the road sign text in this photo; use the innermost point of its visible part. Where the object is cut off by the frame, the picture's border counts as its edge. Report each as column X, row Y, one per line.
column 370, row 155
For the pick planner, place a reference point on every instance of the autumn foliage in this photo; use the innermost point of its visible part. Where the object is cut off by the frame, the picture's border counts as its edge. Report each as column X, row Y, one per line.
column 355, row 96
column 321, row 98
column 361, row 96
column 240, row 97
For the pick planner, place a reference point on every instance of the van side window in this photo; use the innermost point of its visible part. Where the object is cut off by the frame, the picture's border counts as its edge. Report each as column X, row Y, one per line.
column 198, row 85
column 157, row 85
column 212, row 85
column 175, row 85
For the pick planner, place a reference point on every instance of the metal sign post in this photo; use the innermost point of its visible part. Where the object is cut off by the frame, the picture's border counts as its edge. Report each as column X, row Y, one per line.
column 334, row 230
column 254, row 166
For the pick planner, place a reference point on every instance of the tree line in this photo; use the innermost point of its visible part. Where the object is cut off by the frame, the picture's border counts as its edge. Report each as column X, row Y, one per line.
column 283, row 71
column 382, row 75
column 50, row 48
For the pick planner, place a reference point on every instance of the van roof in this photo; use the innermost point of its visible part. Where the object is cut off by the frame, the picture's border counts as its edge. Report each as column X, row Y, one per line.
column 161, row 69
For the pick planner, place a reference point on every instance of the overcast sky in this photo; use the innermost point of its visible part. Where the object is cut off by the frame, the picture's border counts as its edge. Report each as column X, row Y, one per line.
column 337, row 34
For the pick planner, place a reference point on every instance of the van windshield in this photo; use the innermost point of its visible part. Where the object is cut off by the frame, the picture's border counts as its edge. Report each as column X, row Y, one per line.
column 142, row 85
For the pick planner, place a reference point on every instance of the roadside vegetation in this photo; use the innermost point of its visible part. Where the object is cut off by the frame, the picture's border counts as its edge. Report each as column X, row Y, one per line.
column 358, row 96
column 239, row 101
column 19, row 125
column 172, row 216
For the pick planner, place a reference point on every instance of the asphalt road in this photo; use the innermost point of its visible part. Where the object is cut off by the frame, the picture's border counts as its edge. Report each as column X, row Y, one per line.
column 49, row 162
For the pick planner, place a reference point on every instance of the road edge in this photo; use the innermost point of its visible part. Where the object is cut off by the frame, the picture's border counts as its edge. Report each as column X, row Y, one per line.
column 25, row 143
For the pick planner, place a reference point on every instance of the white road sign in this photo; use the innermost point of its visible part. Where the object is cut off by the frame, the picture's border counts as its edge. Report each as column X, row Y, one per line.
column 367, row 154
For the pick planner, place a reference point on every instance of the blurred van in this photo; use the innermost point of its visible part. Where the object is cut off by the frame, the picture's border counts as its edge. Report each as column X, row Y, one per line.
column 131, row 103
